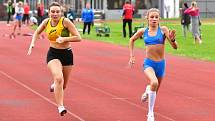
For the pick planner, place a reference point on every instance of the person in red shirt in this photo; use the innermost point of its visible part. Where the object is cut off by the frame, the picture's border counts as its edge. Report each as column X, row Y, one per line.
column 128, row 11
column 26, row 13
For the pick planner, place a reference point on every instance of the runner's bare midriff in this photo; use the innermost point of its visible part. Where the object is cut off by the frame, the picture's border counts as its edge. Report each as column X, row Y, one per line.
column 155, row 52
column 60, row 45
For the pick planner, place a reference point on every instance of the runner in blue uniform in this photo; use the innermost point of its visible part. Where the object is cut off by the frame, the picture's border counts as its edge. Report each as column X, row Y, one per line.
column 154, row 64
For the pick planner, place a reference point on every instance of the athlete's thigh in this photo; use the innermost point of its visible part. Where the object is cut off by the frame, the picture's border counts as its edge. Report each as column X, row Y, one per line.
column 55, row 67
column 150, row 74
column 16, row 22
column 20, row 22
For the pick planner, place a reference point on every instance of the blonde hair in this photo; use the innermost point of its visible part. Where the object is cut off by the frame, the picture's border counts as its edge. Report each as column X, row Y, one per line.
column 194, row 4
column 152, row 10
column 20, row 3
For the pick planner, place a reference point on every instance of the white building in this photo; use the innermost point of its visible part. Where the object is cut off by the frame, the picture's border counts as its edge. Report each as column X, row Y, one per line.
column 113, row 8
column 170, row 8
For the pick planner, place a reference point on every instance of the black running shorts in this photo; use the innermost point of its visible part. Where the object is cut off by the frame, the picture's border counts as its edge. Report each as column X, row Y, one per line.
column 64, row 55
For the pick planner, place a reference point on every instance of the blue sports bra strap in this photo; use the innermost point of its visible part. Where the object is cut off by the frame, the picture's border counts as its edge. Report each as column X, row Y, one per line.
column 146, row 31
column 160, row 31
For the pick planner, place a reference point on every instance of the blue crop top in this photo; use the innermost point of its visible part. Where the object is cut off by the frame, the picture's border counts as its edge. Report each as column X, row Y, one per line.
column 152, row 40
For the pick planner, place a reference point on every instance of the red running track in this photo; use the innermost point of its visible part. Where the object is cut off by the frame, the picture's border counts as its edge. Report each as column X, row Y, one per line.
column 101, row 88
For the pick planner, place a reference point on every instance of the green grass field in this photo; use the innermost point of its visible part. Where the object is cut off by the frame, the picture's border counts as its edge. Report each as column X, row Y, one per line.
column 205, row 51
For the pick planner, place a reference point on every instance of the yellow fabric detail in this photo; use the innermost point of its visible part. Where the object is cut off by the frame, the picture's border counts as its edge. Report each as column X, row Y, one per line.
column 54, row 32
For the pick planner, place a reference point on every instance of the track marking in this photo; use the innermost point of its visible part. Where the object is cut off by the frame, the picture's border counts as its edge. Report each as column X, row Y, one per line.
column 124, row 100
column 38, row 94
column 119, row 98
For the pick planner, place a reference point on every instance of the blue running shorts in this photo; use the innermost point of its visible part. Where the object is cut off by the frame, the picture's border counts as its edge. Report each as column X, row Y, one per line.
column 158, row 66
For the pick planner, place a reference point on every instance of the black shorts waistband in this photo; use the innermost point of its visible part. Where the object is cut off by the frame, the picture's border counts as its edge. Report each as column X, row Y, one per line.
column 60, row 50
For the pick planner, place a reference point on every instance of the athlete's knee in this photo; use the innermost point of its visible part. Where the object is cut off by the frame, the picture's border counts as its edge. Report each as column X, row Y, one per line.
column 154, row 85
column 58, row 79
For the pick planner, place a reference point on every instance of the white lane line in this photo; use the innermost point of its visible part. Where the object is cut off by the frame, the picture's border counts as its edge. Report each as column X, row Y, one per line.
column 126, row 101
column 38, row 94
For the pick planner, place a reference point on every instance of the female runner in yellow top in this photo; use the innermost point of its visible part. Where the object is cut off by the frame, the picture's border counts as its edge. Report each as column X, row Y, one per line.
column 59, row 57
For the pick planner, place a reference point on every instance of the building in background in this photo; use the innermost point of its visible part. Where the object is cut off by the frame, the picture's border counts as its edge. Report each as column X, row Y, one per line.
column 112, row 9
column 169, row 8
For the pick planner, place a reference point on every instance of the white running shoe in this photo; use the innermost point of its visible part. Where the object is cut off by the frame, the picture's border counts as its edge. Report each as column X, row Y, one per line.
column 62, row 110
column 52, row 87
column 145, row 94
column 150, row 117
column 12, row 36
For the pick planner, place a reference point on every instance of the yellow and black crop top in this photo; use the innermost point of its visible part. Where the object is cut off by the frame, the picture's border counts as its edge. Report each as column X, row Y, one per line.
column 54, row 32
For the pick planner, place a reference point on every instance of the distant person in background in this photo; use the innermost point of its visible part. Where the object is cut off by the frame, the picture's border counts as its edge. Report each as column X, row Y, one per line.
column 33, row 21
column 193, row 11
column 87, row 17
column 9, row 10
column 40, row 13
column 128, row 11
column 26, row 16
column 19, row 11
column 71, row 15
column 185, row 20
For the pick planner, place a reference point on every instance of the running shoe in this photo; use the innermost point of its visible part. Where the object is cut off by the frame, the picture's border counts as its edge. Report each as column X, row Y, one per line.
column 62, row 111
column 150, row 117
column 52, row 87
column 12, row 36
column 145, row 94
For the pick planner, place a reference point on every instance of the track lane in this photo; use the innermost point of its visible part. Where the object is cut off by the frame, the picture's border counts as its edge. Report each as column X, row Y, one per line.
column 102, row 88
